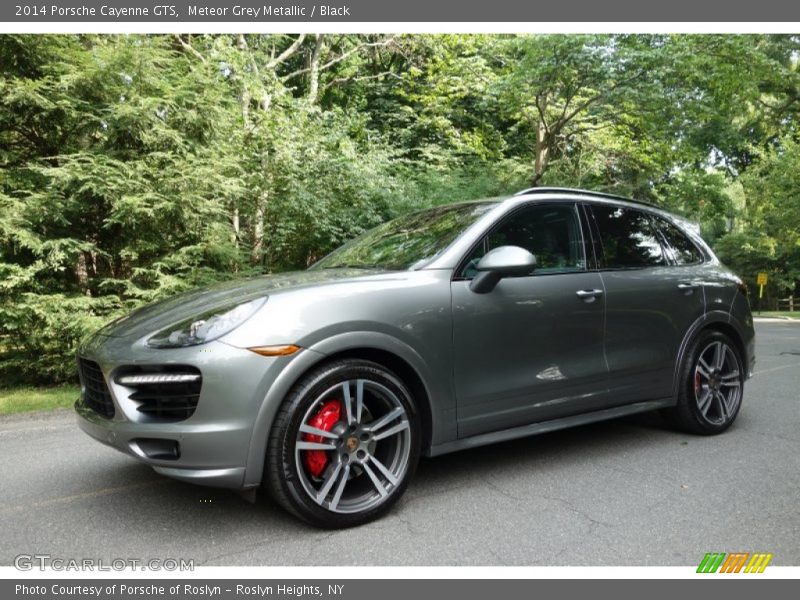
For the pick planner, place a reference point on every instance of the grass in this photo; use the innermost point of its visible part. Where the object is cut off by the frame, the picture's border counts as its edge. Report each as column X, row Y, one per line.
column 777, row 313
column 29, row 399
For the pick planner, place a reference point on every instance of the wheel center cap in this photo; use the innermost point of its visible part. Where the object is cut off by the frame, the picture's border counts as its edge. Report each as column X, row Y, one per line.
column 351, row 444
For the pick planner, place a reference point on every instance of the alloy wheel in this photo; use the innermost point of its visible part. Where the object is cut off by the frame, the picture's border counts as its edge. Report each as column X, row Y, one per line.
column 354, row 464
column 717, row 383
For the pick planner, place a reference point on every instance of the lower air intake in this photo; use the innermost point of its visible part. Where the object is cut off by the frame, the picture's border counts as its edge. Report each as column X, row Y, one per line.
column 96, row 394
column 165, row 393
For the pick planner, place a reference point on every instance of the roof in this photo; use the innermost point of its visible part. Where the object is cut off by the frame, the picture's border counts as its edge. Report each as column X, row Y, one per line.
column 580, row 192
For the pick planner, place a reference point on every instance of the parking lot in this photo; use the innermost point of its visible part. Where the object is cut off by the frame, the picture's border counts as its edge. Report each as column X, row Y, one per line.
column 628, row 492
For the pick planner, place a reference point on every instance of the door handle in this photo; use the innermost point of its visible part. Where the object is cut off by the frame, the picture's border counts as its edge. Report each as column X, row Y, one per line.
column 687, row 287
column 588, row 295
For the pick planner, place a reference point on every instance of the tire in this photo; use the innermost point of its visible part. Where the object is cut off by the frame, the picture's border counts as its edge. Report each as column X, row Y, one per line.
column 358, row 476
column 710, row 394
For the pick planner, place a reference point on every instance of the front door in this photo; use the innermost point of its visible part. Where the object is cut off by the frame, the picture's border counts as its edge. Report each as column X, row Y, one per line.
column 531, row 349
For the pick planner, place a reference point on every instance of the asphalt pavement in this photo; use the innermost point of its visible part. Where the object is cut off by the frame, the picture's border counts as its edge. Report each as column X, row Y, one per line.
column 625, row 492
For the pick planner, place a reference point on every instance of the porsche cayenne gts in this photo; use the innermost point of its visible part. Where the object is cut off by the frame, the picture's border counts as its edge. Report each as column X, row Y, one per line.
column 445, row 329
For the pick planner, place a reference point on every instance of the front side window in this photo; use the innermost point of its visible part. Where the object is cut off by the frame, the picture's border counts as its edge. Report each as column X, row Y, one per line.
column 552, row 233
column 628, row 238
column 680, row 247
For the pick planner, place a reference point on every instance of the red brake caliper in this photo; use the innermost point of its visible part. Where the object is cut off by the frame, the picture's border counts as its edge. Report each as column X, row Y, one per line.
column 327, row 416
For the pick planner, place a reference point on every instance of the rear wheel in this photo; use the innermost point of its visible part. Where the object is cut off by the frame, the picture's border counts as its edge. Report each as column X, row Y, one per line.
column 712, row 384
column 344, row 444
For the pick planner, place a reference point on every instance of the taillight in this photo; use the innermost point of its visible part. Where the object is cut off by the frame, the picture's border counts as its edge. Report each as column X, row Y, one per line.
column 742, row 287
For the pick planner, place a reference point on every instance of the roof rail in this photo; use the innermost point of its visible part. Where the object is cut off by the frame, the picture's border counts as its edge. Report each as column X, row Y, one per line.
column 579, row 192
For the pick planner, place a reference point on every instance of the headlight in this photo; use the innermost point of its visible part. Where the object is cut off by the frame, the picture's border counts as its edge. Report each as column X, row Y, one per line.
column 205, row 326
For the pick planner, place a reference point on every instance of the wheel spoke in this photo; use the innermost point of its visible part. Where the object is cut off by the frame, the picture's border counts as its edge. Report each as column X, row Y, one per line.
column 306, row 428
column 359, row 399
column 384, row 471
column 719, row 355
column 704, row 401
column 401, row 426
column 376, row 482
column 730, row 379
column 327, row 484
column 384, row 420
column 704, row 367
column 343, row 482
column 303, row 445
column 348, row 402
column 723, row 406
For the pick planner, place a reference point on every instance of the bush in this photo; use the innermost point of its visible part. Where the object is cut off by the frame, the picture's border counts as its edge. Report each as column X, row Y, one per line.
column 40, row 334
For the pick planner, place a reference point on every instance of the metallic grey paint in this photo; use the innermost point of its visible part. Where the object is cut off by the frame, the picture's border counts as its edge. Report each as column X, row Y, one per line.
column 535, row 354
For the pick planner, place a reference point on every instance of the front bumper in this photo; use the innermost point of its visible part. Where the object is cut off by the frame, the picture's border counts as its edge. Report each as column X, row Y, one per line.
column 194, row 444
column 212, row 445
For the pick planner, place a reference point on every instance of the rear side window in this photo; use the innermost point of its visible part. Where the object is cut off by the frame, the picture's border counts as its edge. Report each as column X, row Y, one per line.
column 628, row 238
column 680, row 247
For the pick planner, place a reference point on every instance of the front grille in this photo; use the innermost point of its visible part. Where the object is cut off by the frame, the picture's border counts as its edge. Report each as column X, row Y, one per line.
column 96, row 394
column 164, row 401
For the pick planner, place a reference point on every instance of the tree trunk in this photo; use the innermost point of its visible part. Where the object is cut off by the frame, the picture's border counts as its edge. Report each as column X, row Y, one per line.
column 542, row 153
column 245, row 100
column 93, row 262
column 235, row 226
column 313, row 69
column 241, row 44
column 82, row 273
column 235, row 235
column 258, row 228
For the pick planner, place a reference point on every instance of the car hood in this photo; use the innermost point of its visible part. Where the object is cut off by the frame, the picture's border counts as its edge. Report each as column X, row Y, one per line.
column 154, row 317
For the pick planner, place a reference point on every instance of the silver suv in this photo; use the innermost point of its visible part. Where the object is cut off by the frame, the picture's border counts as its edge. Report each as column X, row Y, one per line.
column 445, row 329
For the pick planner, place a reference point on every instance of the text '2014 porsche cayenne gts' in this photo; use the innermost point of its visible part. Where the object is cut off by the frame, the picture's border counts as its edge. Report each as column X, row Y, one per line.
column 445, row 329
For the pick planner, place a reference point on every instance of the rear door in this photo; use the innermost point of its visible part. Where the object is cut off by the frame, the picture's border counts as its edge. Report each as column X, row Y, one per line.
column 650, row 302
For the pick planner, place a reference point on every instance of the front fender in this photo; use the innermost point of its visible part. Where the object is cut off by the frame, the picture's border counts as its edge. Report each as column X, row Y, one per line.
column 438, row 389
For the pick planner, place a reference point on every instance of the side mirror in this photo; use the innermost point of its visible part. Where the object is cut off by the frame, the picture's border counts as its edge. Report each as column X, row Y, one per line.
column 505, row 261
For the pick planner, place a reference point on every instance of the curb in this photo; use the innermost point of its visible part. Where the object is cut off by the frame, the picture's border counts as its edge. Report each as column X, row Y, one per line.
column 775, row 320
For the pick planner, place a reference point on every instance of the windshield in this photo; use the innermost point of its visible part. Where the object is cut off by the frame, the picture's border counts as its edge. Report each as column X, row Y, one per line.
column 407, row 242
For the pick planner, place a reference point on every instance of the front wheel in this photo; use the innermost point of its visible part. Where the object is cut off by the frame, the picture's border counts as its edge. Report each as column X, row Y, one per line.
column 712, row 384
column 344, row 444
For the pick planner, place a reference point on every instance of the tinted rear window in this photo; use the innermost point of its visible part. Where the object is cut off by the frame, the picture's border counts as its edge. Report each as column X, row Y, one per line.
column 628, row 238
column 682, row 249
